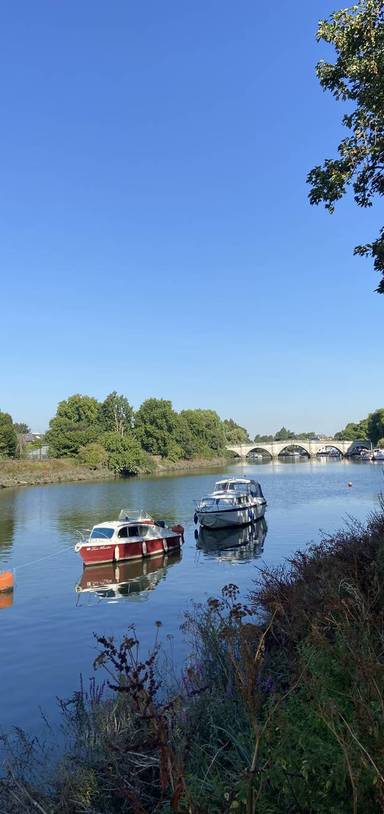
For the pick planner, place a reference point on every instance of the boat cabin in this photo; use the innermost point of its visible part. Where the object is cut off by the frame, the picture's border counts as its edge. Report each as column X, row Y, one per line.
column 107, row 531
column 238, row 486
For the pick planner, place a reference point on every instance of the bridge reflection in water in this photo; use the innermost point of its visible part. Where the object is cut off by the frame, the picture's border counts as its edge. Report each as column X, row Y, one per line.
column 244, row 543
column 129, row 580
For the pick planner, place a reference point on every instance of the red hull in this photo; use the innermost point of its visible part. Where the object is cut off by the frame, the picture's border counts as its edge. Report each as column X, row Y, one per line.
column 118, row 552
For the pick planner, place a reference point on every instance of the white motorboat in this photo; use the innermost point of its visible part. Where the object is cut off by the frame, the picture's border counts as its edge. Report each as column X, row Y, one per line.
column 235, row 501
column 378, row 454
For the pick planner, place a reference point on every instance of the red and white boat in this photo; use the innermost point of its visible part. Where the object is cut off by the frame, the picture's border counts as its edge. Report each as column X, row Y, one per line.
column 131, row 537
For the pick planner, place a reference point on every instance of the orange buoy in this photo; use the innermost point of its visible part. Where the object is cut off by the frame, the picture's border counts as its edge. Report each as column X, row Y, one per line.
column 6, row 581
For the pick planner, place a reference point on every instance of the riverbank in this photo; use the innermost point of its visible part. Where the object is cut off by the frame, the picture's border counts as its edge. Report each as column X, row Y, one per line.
column 33, row 473
column 60, row 470
column 280, row 707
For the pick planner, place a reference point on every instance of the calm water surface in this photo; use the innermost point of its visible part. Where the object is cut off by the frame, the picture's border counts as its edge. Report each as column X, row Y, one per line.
column 46, row 635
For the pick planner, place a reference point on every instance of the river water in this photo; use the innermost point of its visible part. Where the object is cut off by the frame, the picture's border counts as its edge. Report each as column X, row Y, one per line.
column 46, row 630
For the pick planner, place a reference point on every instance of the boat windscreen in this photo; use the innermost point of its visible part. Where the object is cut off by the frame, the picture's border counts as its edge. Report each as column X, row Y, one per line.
column 102, row 532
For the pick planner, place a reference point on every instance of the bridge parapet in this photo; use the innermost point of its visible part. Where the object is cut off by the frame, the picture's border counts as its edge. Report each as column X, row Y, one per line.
column 312, row 448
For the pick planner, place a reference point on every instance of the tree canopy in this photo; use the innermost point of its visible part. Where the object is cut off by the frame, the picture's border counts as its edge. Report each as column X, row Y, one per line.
column 75, row 425
column 234, row 433
column 110, row 433
column 21, row 427
column 116, row 414
column 155, row 428
column 356, row 77
column 371, row 427
column 376, row 426
column 8, row 436
column 79, row 409
column 353, row 431
column 207, row 431
column 283, row 435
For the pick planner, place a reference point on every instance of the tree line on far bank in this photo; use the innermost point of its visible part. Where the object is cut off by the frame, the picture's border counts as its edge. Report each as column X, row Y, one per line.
column 111, row 434
column 371, row 427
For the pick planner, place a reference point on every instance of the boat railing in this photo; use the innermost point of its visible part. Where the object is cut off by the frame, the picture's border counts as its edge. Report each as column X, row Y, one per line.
column 83, row 534
column 126, row 514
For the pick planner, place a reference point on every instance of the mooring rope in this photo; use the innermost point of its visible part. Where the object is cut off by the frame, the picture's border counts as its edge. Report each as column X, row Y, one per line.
column 41, row 559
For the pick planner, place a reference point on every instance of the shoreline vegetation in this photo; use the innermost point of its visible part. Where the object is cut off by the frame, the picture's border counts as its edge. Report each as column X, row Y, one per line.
column 110, row 436
column 24, row 472
column 279, row 707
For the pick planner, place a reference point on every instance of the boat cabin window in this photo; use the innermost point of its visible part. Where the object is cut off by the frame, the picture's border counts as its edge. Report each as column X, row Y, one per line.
column 256, row 490
column 238, row 488
column 123, row 532
column 231, row 486
column 100, row 531
column 144, row 530
column 208, row 502
column 133, row 531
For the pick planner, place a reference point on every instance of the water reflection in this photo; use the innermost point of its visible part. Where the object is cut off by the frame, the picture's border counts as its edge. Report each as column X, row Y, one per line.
column 7, row 524
column 245, row 543
column 6, row 599
column 132, row 580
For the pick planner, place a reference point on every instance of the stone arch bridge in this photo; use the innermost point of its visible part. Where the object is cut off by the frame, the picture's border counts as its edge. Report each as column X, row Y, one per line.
column 312, row 448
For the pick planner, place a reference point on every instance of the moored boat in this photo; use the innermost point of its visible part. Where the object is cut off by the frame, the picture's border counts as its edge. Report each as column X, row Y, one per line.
column 378, row 454
column 129, row 538
column 234, row 501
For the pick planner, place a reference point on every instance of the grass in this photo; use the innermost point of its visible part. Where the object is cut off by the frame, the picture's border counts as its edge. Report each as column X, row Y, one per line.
column 51, row 470
column 280, row 708
column 24, row 472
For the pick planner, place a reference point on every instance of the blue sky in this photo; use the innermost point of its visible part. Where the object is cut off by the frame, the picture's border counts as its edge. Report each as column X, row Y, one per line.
column 155, row 234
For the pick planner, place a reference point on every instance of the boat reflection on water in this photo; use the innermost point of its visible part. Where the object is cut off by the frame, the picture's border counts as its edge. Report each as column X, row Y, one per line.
column 245, row 543
column 132, row 580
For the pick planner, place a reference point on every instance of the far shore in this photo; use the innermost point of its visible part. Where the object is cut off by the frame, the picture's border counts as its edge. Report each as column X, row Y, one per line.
column 65, row 470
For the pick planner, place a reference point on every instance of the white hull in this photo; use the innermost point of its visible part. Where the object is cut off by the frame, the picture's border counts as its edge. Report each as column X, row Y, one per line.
column 231, row 517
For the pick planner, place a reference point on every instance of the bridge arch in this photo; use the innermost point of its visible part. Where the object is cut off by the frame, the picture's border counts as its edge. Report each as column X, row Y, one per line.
column 235, row 453
column 259, row 450
column 331, row 446
column 293, row 448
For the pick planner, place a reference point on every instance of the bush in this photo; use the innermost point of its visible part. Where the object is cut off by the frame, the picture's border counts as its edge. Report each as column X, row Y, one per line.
column 124, row 454
column 93, row 455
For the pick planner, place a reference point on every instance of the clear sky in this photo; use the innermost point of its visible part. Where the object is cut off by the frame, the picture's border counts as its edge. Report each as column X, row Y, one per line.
column 155, row 234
